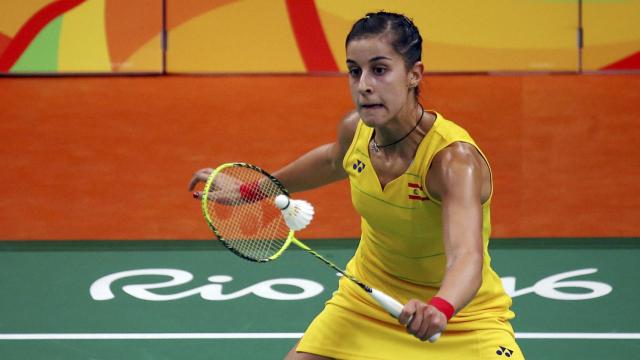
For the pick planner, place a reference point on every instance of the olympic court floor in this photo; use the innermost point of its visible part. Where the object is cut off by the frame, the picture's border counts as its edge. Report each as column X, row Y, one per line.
column 574, row 298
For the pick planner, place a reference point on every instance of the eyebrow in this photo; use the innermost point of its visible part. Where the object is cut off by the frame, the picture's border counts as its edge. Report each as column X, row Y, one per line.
column 373, row 59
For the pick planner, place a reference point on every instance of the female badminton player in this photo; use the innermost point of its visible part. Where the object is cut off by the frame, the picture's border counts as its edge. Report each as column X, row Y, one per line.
column 423, row 189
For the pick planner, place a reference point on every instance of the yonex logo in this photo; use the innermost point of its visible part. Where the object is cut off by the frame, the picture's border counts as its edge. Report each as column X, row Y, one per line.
column 359, row 166
column 504, row 351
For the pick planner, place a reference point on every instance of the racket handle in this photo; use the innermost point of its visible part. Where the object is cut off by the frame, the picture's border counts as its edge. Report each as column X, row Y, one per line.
column 394, row 307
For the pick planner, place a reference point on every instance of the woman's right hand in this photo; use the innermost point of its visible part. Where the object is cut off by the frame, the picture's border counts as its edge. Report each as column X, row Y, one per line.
column 199, row 176
column 225, row 189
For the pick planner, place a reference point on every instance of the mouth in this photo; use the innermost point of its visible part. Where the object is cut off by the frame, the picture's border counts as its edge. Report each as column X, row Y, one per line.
column 371, row 106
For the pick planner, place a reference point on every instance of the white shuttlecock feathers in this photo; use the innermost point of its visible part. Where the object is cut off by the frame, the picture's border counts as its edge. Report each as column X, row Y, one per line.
column 297, row 213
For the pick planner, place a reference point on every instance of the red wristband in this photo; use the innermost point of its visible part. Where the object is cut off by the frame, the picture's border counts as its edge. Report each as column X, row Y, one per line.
column 443, row 305
column 251, row 192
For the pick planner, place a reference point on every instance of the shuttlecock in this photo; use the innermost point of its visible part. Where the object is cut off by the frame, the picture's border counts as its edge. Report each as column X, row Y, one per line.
column 297, row 213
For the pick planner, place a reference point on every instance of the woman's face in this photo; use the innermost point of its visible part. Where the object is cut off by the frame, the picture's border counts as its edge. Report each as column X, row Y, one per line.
column 379, row 81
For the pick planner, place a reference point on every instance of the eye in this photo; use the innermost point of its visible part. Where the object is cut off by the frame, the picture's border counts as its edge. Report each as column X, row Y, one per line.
column 379, row 70
column 354, row 72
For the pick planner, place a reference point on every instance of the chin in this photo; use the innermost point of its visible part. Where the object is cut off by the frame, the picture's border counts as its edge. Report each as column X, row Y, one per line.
column 372, row 120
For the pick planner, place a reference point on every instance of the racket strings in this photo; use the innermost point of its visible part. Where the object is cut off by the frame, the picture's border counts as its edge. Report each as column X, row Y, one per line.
column 240, row 204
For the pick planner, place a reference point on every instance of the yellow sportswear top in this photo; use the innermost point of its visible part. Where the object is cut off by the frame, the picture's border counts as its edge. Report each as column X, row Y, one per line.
column 401, row 250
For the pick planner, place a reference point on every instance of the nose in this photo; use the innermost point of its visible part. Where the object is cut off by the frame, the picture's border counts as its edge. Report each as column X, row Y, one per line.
column 364, row 84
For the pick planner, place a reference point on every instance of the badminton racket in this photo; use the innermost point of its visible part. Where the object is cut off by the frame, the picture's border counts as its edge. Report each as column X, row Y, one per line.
column 239, row 205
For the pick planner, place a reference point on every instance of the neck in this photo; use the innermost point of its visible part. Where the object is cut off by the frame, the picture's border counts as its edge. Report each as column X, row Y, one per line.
column 377, row 146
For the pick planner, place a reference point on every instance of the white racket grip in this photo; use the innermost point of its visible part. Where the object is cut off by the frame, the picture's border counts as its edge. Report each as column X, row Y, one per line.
column 394, row 307
column 387, row 302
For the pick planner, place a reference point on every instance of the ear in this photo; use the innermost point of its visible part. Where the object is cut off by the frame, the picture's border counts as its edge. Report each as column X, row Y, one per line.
column 415, row 74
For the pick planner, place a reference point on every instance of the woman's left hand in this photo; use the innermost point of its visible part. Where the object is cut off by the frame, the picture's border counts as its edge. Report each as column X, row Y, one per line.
column 426, row 320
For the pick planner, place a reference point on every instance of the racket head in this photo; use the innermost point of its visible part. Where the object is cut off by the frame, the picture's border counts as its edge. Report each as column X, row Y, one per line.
column 238, row 206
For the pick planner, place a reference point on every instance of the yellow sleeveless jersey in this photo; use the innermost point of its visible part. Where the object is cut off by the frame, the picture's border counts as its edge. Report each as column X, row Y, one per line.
column 401, row 250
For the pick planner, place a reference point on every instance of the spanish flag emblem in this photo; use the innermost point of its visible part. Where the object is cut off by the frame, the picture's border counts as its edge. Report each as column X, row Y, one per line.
column 416, row 192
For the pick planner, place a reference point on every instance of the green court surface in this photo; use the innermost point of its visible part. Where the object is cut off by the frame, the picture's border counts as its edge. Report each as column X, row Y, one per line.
column 574, row 298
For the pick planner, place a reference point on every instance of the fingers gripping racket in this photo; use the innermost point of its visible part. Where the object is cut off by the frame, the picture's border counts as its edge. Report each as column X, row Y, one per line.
column 238, row 204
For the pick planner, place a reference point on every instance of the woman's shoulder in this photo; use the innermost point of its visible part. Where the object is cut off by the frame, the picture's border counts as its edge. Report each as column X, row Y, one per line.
column 350, row 121
column 348, row 127
column 456, row 145
column 450, row 130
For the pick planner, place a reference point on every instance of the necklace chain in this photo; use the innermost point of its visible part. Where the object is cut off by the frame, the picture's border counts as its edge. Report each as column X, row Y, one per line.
column 376, row 147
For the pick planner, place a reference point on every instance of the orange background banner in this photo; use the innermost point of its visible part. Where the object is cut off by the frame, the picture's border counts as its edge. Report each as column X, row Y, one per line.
column 110, row 158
